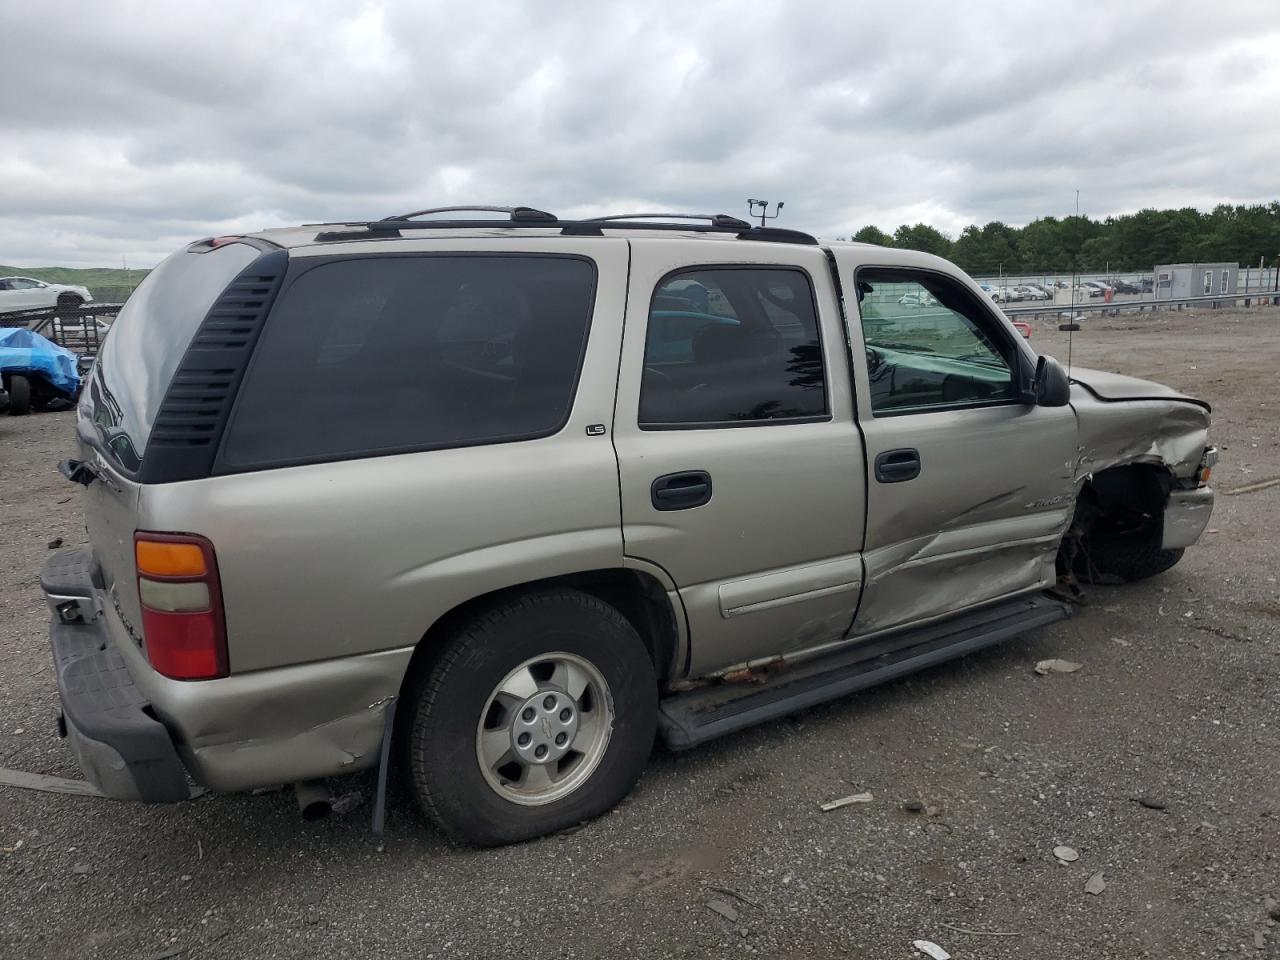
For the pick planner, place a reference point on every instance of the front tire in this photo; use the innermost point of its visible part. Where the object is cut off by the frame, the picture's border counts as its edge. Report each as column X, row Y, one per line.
column 1125, row 556
column 539, row 714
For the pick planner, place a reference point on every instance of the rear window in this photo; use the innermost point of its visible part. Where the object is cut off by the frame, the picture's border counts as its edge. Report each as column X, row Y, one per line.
column 148, row 340
column 391, row 354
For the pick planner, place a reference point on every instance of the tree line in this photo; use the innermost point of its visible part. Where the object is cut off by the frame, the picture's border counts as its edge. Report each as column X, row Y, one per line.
column 1134, row 241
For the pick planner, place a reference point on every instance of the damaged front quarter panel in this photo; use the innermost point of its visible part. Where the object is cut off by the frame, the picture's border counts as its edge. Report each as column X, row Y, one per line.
column 1124, row 420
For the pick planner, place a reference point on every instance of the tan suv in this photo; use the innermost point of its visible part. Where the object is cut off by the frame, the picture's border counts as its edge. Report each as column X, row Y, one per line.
column 539, row 488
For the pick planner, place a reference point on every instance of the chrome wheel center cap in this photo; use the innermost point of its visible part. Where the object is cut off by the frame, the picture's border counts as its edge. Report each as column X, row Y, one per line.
column 543, row 727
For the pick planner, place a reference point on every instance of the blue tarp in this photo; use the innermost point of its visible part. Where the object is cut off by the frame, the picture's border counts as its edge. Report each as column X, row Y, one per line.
column 23, row 351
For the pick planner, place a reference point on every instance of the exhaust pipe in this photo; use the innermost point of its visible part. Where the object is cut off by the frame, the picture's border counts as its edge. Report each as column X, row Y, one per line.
column 314, row 799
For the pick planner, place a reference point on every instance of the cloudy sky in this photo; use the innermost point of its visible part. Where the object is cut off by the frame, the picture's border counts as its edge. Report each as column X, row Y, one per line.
column 131, row 128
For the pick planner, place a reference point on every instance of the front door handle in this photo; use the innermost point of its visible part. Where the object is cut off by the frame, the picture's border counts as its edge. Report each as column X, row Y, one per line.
column 681, row 491
column 895, row 466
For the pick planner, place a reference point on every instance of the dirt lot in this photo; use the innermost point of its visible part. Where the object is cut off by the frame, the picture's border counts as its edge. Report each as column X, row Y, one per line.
column 1178, row 703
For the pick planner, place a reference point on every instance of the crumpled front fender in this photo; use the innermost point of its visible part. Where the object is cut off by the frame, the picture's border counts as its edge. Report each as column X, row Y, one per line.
column 1172, row 432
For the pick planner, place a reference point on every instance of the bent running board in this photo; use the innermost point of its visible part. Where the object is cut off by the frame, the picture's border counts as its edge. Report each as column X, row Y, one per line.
column 695, row 716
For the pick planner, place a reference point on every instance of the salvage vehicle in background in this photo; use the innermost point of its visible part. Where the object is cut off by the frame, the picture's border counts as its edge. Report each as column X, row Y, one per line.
column 26, row 293
column 505, row 497
column 36, row 372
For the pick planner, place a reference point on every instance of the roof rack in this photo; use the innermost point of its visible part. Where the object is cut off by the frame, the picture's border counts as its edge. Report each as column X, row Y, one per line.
column 529, row 217
column 517, row 214
column 715, row 219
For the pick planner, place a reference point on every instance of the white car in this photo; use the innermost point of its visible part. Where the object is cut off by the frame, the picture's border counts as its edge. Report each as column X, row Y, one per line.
column 24, row 293
column 998, row 295
column 916, row 300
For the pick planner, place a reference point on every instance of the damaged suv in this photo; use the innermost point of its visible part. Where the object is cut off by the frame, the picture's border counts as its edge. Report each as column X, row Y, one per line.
column 497, row 500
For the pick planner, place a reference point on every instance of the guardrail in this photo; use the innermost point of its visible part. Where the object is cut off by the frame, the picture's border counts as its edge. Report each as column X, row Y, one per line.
column 1115, row 307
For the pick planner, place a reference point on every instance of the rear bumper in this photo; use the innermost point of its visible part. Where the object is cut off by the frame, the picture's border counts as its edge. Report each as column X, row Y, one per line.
column 122, row 749
column 138, row 734
column 1185, row 517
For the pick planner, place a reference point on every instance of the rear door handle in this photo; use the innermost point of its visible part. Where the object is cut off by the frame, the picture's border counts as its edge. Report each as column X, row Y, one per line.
column 895, row 466
column 681, row 491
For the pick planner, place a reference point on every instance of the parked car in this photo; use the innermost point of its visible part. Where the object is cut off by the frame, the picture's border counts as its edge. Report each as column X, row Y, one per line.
column 1095, row 288
column 1033, row 291
column 24, row 293
column 1125, row 286
column 995, row 293
column 445, row 479
column 920, row 299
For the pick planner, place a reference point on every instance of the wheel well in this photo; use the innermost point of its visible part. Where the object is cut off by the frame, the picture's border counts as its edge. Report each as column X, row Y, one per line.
column 638, row 596
column 1128, row 495
column 1120, row 500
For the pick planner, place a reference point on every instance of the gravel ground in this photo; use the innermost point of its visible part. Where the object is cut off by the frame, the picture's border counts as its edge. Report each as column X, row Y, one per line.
column 723, row 851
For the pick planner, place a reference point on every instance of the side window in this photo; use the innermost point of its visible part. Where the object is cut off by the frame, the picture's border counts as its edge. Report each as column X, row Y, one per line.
column 730, row 346
column 393, row 354
column 929, row 343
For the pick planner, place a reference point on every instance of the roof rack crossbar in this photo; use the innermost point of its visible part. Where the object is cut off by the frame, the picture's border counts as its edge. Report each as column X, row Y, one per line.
column 520, row 214
column 715, row 219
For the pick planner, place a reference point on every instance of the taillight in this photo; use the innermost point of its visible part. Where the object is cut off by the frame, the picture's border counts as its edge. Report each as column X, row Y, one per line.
column 182, row 625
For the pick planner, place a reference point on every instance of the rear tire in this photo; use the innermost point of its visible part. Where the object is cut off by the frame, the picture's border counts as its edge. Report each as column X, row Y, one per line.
column 1127, row 556
column 460, row 704
column 70, row 301
column 19, row 395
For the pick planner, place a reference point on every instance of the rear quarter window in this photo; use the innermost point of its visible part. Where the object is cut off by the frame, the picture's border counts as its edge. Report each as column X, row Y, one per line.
column 147, row 341
column 382, row 355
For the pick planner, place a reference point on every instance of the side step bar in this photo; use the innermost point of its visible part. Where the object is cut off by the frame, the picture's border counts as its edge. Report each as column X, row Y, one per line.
column 687, row 719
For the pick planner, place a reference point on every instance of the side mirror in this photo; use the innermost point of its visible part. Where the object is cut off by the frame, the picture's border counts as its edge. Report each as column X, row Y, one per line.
column 1052, row 387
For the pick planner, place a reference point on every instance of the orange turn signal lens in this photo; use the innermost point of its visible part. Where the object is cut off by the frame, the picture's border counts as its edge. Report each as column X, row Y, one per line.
column 161, row 559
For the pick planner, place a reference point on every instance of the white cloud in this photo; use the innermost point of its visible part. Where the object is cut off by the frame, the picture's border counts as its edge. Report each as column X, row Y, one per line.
column 130, row 128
